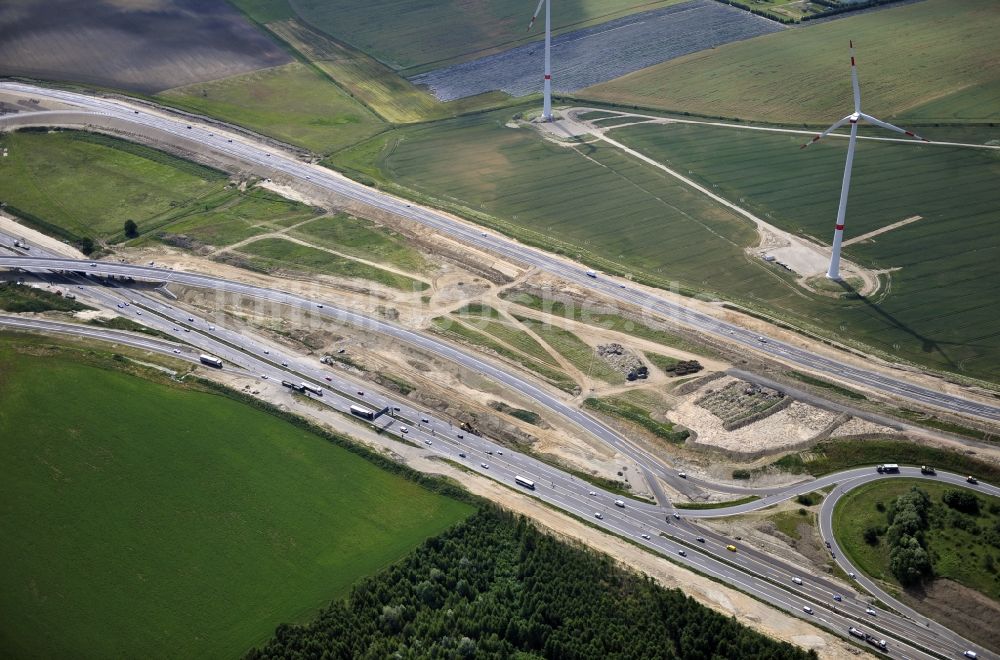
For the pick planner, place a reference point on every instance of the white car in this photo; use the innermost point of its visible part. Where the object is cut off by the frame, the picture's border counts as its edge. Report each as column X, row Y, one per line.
column 484, row 466
column 870, row 611
column 797, row 580
column 267, row 352
column 682, row 475
column 971, row 654
column 599, row 515
column 427, row 442
column 263, row 376
column 593, row 493
column 682, row 553
column 645, row 536
column 403, row 429
column 762, row 340
column 852, row 576
column 807, row 609
column 677, row 516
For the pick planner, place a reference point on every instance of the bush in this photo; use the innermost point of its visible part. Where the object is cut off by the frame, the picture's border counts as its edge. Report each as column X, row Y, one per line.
column 871, row 535
column 741, row 474
column 961, row 500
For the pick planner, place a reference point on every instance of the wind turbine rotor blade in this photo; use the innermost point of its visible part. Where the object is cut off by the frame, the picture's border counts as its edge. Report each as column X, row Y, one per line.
column 827, row 131
column 885, row 124
column 854, row 82
column 534, row 16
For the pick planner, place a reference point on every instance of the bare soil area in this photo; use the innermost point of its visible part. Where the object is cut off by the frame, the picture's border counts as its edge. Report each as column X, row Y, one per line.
column 964, row 610
column 138, row 45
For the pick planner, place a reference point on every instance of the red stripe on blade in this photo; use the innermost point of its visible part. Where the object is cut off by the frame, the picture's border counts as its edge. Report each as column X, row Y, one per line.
column 548, row 77
column 839, row 227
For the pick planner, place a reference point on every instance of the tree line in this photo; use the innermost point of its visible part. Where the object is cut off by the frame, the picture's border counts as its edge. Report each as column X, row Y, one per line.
column 495, row 586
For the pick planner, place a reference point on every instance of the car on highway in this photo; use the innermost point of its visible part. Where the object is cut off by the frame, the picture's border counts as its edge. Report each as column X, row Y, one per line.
column 592, row 493
column 870, row 611
column 645, row 536
column 599, row 515
column 121, row 306
column 682, row 553
column 267, row 352
column 321, row 307
column 489, row 451
column 263, row 376
column 403, row 429
column 190, row 319
column 328, row 379
column 731, row 548
column 797, row 580
column 93, row 265
column 139, row 312
column 972, row 480
column 461, row 454
column 176, row 350
column 677, row 516
column 484, row 466
column 499, row 452
column 971, row 654
column 762, row 340
column 700, row 539
column 427, row 441
column 682, row 475
column 360, row 393
column 838, row 598
column 460, row 436
column 425, row 420
column 807, row 609
column 284, row 364
column 852, row 575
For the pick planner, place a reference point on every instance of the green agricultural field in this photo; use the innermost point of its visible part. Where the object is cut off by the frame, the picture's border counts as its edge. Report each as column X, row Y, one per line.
column 280, row 254
column 962, row 547
column 364, row 239
column 802, row 75
column 591, row 202
column 942, row 304
column 293, row 103
column 238, row 216
column 405, row 34
column 146, row 519
column 73, row 185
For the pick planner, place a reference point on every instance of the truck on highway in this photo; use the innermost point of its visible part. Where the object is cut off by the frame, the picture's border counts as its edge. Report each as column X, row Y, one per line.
column 210, row 360
column 315, row 389
column 887, row 468
column 361, row 411
column 620, row 503
column 527, row 483
column 294, row 386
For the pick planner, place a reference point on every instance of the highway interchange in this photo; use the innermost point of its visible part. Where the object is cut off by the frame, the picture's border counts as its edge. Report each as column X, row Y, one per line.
column 747, row 569
column 273, row 161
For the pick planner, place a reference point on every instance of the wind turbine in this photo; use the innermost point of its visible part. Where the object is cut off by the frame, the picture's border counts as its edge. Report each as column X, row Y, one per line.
column 838, row 234
column 547, row 89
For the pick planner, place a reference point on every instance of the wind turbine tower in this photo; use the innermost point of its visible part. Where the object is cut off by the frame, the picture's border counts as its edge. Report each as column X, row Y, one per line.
column 547, row 88
column 838, row 234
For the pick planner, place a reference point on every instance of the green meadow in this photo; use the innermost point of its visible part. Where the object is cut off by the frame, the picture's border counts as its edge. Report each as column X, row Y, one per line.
column 145, row 518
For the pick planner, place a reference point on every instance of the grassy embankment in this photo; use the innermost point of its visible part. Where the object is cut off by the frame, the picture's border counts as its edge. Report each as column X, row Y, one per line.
column 939, row 309
column 959, row 544
column 151, row 518
column 834, row 455
column 272, row 254
column 801, row 75
column 20, row 299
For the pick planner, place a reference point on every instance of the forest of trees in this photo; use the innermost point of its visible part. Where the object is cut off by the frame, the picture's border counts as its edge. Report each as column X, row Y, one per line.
column 496, row 587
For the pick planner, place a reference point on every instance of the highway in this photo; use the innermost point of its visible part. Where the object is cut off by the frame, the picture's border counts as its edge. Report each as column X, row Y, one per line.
column 769, row 579
column 766, row 578
column 236, row 146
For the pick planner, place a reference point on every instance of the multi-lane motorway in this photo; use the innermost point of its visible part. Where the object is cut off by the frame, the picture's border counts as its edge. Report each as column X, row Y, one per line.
column 651, row 525
column 238, row 147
